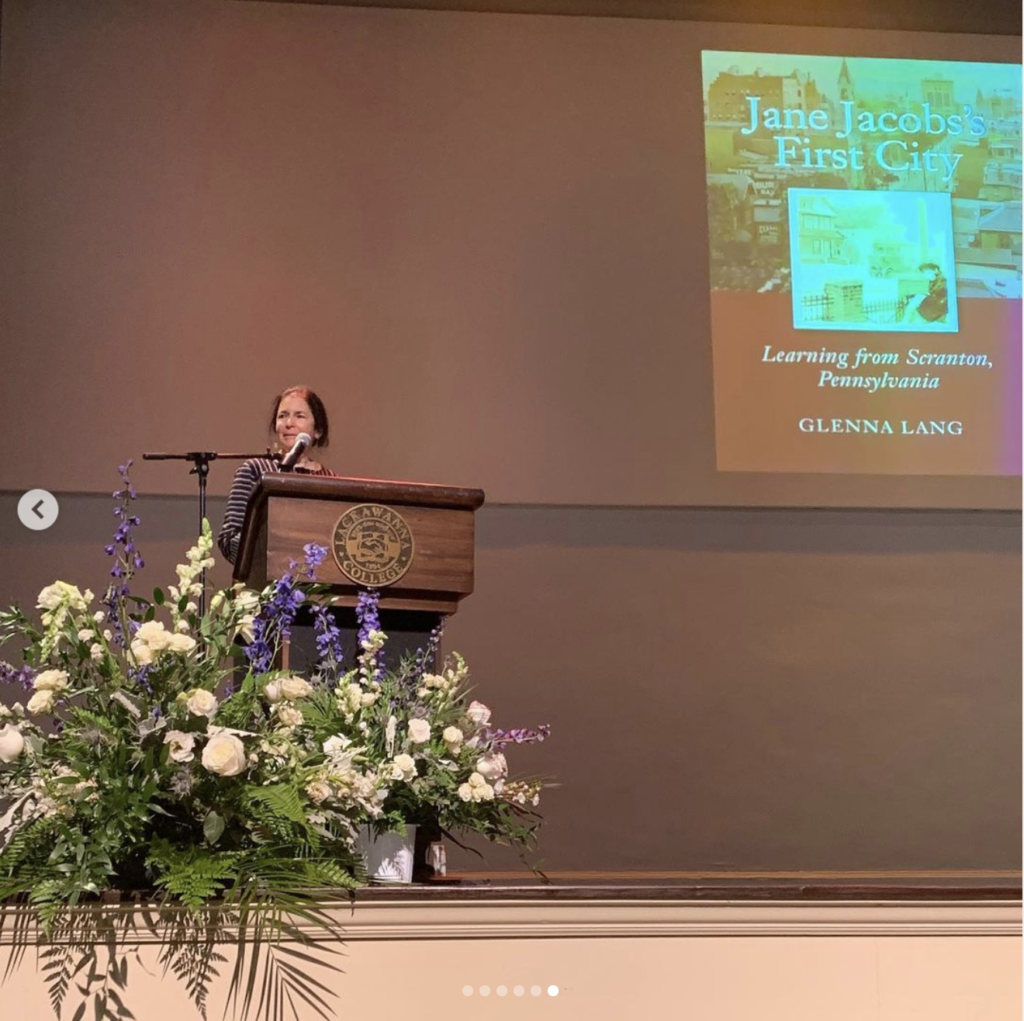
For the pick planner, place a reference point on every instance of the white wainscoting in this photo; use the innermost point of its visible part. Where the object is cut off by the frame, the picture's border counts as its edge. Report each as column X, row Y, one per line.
column 625, row 960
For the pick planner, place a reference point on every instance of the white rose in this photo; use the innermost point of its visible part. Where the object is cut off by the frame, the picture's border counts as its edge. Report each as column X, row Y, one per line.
column 41, row 702
column 272, row 692
column 201, row 702
column 85, row 634
column 181, row 745
column 295, row 687
column 479, row 713
column 492, row 766
column 108, row 635
column 289, row 716
column 99, row 616
column 143, row 653
column 12, row 744
column 403, row 767
column 419, row 731
column 453, row 738
column 479, row 789
column 153, row 634
column 51, row 680
column 465, row 792
column 367, row 698
column 224, row 755
column 181, row 643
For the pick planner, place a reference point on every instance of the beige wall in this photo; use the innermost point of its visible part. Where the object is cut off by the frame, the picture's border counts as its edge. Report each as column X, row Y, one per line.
column 483, row 237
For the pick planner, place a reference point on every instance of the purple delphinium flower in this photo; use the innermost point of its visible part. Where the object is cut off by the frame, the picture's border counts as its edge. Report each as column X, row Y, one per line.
column 500, row 738
column 314, row 556
column 328, row 643
column 367, row 613
column 128, row 559
column 274, row 622
column 140, row 675
column 17, row 675
column 368, row 617
column 426, row 659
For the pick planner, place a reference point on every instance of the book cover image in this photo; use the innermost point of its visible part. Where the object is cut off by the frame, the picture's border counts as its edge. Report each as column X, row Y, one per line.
column 864, row 223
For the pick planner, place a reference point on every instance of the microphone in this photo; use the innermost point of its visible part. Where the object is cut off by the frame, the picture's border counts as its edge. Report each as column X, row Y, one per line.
column 290, row 459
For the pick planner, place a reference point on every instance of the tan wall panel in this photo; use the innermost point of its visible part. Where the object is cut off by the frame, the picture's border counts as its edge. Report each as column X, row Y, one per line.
column 727, row 690
column 482, row 236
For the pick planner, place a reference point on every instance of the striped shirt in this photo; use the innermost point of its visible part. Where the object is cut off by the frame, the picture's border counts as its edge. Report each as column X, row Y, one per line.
column 246, row 478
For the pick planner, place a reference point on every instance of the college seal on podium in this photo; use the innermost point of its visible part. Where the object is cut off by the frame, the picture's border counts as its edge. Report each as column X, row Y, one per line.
column 372, row 545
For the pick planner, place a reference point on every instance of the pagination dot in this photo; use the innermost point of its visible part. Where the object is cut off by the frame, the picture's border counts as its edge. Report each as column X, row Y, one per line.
column 485, row 990
column 519, row 990
column 501, row 990
column 535, row 990
column 467, row 990
column 552, row 990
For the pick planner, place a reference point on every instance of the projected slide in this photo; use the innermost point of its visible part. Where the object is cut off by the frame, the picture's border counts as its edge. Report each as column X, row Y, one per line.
column 865, row 253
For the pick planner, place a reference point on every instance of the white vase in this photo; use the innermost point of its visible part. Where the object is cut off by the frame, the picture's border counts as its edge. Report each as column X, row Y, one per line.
column 388, row 856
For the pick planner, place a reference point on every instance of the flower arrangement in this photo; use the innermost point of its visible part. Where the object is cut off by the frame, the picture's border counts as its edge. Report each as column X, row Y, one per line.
column 157, row 752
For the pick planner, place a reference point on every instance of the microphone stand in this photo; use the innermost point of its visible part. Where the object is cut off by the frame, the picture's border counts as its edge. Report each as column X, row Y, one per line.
column 200, row 460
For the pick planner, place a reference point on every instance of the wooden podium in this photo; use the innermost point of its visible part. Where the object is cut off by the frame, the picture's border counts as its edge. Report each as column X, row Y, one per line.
column 413, row 541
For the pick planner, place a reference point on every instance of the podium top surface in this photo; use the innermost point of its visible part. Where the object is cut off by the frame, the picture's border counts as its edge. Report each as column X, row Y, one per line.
column 421, row 494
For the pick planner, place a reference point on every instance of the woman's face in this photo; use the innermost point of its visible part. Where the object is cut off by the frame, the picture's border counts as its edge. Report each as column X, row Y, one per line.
column 293, row 417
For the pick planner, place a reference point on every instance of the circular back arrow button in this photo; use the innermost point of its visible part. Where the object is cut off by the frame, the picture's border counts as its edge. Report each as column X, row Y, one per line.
column 38, row 509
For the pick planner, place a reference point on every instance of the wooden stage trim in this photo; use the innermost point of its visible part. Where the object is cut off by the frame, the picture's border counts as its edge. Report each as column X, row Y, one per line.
column 1008, row 876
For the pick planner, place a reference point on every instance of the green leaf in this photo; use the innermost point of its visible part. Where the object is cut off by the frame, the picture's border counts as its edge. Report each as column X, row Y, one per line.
column 158, row 596
column 213, row 827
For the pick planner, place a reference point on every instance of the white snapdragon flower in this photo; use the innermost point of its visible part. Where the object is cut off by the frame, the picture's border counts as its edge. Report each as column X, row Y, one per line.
column 85, row 634
column 492, row 766
column 99, row 616
column 182, row 745
column 12, row 743
column 272, row 692
column 95, row 652
column 419, row 731
column 51, row 680
column 200, row 702
column 224, row 755
column 373, row 642
column 61, row 592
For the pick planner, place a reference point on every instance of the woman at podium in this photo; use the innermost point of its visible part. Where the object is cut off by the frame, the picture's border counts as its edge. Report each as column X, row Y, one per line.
column 297, row 411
